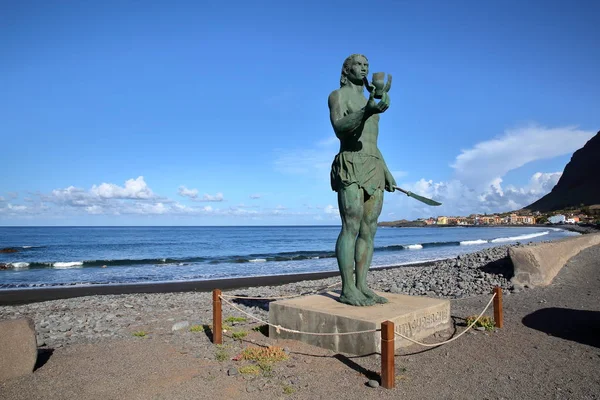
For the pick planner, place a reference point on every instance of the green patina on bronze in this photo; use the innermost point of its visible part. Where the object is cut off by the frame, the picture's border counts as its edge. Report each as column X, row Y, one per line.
column 359, row 174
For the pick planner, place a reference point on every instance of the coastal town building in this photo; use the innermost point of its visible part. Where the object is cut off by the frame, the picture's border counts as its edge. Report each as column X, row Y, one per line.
column 586, row 215
column 557, row 219
column 474, row 219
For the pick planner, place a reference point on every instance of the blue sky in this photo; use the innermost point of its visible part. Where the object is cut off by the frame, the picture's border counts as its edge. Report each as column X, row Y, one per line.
column 215, row 113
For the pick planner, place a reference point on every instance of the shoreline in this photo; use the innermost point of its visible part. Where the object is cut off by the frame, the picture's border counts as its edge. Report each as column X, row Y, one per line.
column 34, row 295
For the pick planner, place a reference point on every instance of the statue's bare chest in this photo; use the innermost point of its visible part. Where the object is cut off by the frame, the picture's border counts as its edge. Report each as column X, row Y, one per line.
column 357, row 102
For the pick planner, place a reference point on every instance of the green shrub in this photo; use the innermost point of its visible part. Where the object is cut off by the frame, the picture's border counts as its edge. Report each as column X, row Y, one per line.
column 197, row 328
column 249, row 369
column 485, row 322
column 287, row 389
column 264, row 354
column 232, row 320
column 221, row 354
column 239, row 335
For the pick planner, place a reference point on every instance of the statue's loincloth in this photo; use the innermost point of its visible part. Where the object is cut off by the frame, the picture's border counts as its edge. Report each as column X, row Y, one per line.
column 365, row 170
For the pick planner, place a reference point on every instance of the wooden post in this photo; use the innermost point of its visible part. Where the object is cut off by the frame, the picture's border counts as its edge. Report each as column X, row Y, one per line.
column 388, row 373
column 217, row 327
column 498, row 315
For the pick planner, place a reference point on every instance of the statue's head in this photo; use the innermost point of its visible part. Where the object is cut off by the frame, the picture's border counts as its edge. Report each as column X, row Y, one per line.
column 355, row 68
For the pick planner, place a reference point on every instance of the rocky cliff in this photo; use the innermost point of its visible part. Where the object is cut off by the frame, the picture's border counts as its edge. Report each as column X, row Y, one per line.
column 579, row 183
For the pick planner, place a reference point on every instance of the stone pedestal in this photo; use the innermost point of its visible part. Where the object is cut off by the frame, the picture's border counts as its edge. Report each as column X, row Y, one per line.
column 414, row 316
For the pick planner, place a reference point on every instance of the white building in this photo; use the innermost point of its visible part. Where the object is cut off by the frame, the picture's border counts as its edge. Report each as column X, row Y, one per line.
column 557, row 219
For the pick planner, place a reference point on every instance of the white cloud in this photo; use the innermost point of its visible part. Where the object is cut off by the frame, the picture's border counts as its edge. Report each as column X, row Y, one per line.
column 2, row 198
column 185, row 192
column 255, row 196
column 207, row 197
column 487, row 161
column 94, row 210
column 329, row 209
column 10, row 209
column 133, row 189
column 459, row 199
column 193, row 194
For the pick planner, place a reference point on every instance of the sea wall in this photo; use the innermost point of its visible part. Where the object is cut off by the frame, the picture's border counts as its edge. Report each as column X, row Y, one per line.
column 537, row 264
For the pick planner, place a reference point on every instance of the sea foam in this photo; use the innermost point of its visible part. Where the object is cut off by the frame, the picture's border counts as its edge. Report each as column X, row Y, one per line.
column 471, row 242
column 65, row 265
column 521, row 237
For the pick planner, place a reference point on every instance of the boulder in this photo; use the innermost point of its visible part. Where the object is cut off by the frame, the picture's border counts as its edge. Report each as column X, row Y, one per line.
column 538, row 264
column 18, row 348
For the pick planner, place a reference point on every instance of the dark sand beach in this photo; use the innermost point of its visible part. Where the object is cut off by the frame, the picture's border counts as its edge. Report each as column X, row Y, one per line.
column 548, row 348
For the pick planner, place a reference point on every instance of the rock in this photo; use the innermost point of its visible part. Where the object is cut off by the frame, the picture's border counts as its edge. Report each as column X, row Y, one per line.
column 9, row 250
column 18, row 348
column 373, row 383
column 180, row 325
column 578, row 183
column 232, row 372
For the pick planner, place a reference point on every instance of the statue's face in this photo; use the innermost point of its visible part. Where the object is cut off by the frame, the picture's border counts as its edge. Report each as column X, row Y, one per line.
column 359, row 68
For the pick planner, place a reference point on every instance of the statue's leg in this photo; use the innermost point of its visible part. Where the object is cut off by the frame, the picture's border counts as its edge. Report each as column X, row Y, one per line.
column 350, row 202
column 366, row 242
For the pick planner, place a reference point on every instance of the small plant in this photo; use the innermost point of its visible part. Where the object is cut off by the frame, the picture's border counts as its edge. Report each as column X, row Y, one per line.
column 287, row 389
column 265, row 366
column 232, row 320
column 239, row 335
column 221, row 354
column 226, row 327
column 264, row 329
column 140, row 334
column 197, row 328
column 264, row 354
column 249, row 369
column 485, row 322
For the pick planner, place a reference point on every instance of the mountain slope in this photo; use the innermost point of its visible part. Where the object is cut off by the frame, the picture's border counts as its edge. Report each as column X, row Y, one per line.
column 579, row 183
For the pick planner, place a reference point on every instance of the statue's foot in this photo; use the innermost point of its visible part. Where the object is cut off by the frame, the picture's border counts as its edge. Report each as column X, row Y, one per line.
column 355, row 297
column 369, row 294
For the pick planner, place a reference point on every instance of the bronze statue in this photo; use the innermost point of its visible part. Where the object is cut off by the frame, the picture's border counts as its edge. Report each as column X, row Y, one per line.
column 359, row 174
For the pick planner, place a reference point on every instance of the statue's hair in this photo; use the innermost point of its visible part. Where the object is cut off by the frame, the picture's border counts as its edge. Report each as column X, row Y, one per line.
column 346, row 66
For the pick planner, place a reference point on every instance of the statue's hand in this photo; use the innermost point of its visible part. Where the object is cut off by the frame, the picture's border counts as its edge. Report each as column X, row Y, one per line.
column 373, row 107
column 390, row 182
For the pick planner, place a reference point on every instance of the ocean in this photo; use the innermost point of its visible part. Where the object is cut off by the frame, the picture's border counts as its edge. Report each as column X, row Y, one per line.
column 60, row 256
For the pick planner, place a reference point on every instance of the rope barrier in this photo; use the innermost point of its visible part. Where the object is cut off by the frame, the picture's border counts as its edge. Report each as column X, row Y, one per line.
column 281, row 328
column 454, row 338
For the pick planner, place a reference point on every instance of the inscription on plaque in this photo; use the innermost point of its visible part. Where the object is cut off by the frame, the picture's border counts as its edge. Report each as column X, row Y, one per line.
column 409, row 329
